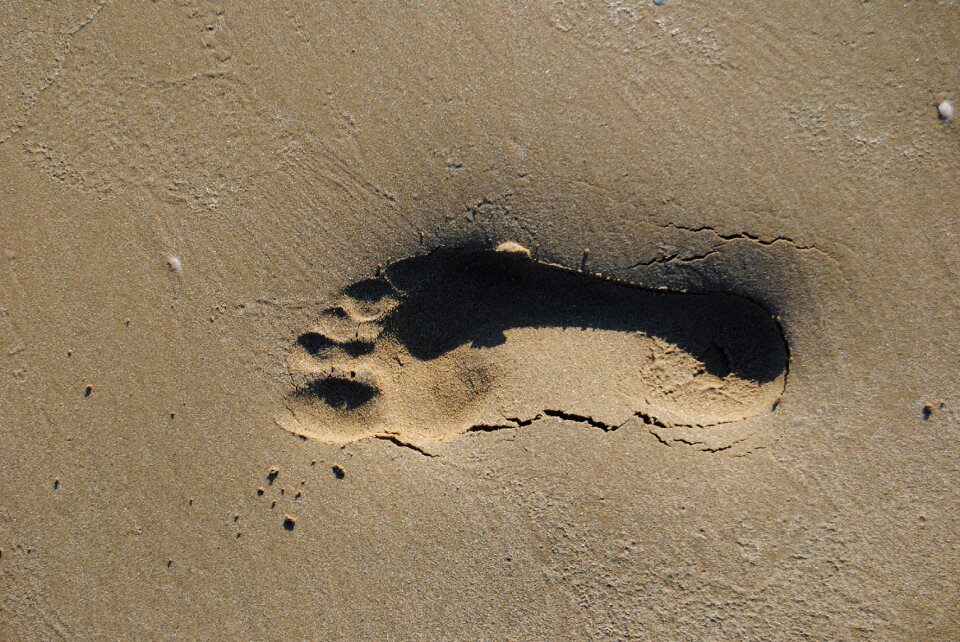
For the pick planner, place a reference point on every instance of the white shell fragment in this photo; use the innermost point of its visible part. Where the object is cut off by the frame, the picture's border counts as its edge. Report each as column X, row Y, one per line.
column 516, row 248
column 174, row 264
column 945, row 111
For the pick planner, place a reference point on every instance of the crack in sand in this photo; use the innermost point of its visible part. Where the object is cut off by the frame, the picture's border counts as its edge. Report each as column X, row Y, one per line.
column 747, row 236
column 649, row 421
column 396, row 440
column 646, row 419
column 674, row 258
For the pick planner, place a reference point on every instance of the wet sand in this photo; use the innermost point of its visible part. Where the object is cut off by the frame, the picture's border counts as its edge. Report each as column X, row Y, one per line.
column 268, row 377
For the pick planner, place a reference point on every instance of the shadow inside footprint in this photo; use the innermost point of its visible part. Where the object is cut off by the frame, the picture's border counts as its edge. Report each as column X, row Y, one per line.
column 437, row 344
column 457, row 298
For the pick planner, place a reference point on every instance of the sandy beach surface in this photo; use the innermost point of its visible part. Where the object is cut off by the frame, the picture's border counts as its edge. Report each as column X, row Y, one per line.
column 480, row 320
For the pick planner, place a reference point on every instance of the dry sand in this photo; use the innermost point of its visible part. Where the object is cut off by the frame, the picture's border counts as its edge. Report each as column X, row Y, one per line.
column 266, row 377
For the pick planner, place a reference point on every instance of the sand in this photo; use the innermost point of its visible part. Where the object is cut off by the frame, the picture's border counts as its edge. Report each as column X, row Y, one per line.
column 468, row 321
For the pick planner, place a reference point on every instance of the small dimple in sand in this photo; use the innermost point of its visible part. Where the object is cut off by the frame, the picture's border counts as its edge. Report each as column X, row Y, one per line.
column 457, row 341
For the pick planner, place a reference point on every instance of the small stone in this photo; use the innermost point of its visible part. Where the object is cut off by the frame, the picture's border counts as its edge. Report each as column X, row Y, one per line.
column 945, row 111
column 289, row 522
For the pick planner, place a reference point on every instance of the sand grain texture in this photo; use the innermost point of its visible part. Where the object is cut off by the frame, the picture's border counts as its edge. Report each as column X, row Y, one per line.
column 707, row 389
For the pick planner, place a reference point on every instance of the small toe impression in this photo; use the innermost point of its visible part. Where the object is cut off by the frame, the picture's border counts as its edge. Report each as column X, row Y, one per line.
column 341, row 394
column 318, row 344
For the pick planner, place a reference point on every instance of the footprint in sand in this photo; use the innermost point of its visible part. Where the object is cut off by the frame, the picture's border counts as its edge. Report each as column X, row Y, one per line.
column 459, row 341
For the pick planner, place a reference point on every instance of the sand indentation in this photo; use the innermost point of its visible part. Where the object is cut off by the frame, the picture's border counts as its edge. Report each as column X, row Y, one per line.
column 460, row 341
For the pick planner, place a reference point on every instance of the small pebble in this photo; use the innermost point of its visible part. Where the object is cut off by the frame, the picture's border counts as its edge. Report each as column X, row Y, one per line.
column 945, row 111
column 339, row 472
column 289, row 522
column 174, row 264
column 658, row 2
